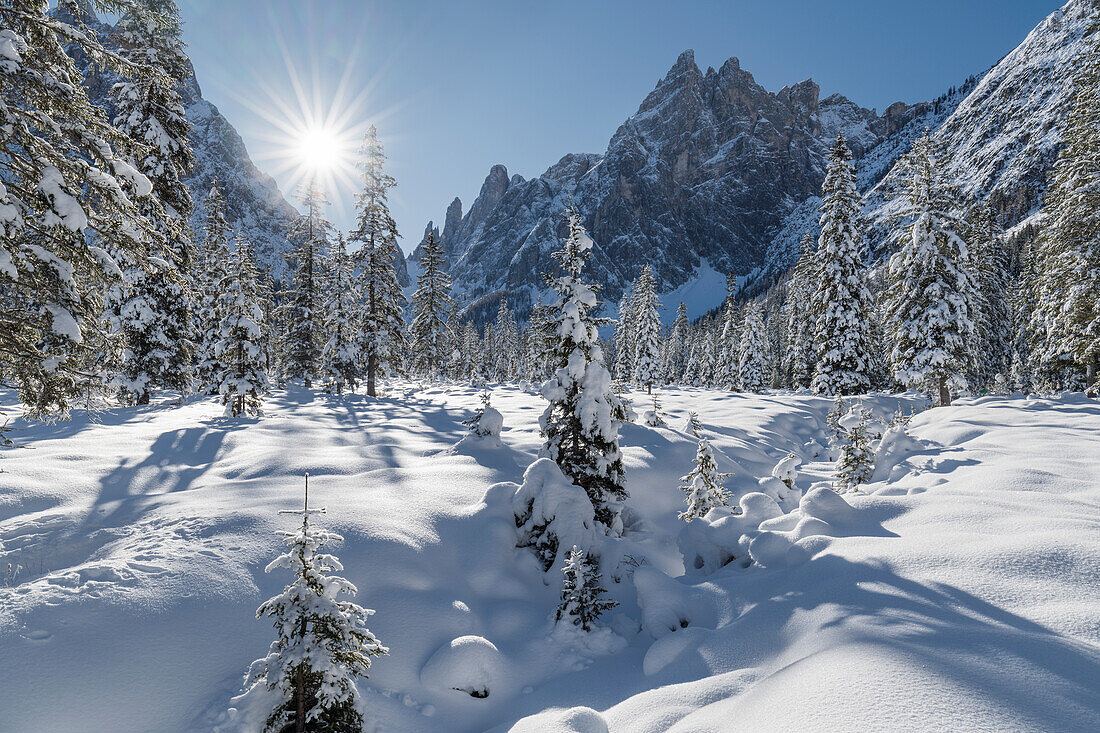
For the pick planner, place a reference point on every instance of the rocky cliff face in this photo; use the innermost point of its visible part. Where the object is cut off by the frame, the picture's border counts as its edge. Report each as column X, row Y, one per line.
column 707, row 169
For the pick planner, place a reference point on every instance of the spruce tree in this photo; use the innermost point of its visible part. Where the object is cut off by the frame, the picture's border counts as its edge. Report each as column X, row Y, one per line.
column 930, row 293
column 309, row 236
column 676, row 346
column 703, row 485
column 340, row 357
column 647, row 339
column 992, row 346
column 382, row 320
column 211, row 268
column 626, row 338
column 800, row 357
column 841, row 300
column 582, row 420
column 729, row 342
column 505, row 351
column 154, row 307
column 857, row 461
column 1066, row 324
column 582, row 596
column 432, row 304
column 752, row 364
column 242, row 377
column 322, row 645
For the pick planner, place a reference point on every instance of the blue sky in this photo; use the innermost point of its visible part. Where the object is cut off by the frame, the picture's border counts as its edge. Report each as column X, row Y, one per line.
column 455, row 87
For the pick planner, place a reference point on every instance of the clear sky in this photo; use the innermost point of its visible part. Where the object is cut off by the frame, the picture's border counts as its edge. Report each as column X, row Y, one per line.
column 455, row 87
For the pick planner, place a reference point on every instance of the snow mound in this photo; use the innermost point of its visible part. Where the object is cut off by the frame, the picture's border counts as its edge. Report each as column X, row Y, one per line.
column 552, row 513
column 469, row 664
column 714, row 541
column 559, row 720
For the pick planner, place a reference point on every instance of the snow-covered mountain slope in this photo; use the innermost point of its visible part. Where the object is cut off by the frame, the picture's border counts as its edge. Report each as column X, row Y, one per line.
column 705, row 169
column 956, row 592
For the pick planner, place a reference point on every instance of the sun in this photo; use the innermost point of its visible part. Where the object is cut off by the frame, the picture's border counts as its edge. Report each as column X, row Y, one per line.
column 320, row 149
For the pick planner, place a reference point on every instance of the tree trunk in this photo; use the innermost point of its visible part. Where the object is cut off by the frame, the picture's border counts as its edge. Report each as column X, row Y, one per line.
column 1090, row 373
column 371, row 367
column 649, row 388
column 300, row 693
column 945, row 392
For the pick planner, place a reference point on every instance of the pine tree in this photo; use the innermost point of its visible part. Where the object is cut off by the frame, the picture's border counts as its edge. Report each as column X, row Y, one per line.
column 647, row 340
column 383, row 325
column 626, row 338
column 505, row 351
column 930, row 291
column 340, row 357
column 536, row 339
column 800, row 356
column 432, row 304
column 703, row 486
column 726, row 369
column 582, row 601
column 857, row 460
column 322, row 645
column 752, row 364
column 676, row 346
column 841, row 300
column 242, row 378
column 68, row 212
column 1066, row 323
column 581, row 423
column 992, row 347
column 303, row 313
column 214, row 256
column 154, row 308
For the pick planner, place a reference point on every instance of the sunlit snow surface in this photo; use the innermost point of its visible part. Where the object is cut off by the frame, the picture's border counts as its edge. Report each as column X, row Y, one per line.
column 958, row 593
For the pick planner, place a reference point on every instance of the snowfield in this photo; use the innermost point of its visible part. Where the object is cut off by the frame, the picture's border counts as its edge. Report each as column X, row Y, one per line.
column 959, row 590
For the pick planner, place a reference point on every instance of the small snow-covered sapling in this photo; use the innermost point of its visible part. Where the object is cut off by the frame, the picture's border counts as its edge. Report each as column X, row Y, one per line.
column 654, row 418
column 703, row 486
column 857, row 461
column 694, row 426
column 487, row 420
column 582, row 601
column 787, row 469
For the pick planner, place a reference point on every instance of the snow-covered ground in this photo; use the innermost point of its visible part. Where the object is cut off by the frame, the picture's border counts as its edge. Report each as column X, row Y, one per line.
column 958, row 591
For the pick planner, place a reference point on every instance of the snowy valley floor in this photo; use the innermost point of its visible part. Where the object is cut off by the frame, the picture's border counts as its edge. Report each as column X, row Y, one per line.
column 960, row 592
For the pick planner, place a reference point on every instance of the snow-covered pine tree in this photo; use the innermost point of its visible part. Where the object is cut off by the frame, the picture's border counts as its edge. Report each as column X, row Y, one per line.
column 857, row 461
column 242, row 378
column 505, row 352
column 930, row 294
column 1066, row 323
column 211, row 268
column 582, row 596
column 536, row 339
column 703, row 485
column 470, row 354
column 340, row 357
column 309, row 235
column 752, row 363
column 322, row 645
column 647, row 330
column 382, row 320
column 800, row 357
column 626, row 338
column 432, row 304
column 841, row 301
column 676, row 346
column 992, row 346
column 581, row 423
column 68, row 204
column 728, row 348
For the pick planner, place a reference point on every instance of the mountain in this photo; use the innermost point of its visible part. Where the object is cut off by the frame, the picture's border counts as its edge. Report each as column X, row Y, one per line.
column 715, row 173
column 702, row 175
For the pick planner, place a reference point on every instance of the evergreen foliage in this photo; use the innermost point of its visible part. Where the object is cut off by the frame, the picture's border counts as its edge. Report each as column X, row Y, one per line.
column 340, row 357
column 302, row 339
column 857, row 461
column 647, row 326
column 242, row 377
column 799, row 357
column 703, row 486
column 214, row 256
column 432, row 304
column 752, row 364
column 582, row 596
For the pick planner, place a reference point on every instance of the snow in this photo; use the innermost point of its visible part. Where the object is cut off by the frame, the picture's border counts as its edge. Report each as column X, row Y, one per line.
column 955, row 591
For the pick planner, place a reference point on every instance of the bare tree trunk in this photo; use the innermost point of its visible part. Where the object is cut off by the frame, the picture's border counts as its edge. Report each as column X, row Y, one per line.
column 945, row 392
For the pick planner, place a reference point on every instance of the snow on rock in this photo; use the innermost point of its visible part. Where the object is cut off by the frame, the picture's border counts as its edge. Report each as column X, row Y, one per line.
column 469, row 664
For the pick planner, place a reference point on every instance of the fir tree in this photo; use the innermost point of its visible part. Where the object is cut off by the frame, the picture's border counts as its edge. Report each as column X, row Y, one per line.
column 582, row 601
column 800, row 357
column 505, row 352
column 432, row 304
column 703, row 486
column 647, row 326
column 841, row 301
column 214, row 256
column 992, row 346
column 310, row 237
column 726, row 365
column 626, row 338
column 1066, row 323
column 752, row 364
column 857, row 461
column 930, row 292
column 340, row 355
column 582, row 420
column 382, row 322
column 536, row 340
column 242, row 378
column 322, row 645
column 676, row 346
